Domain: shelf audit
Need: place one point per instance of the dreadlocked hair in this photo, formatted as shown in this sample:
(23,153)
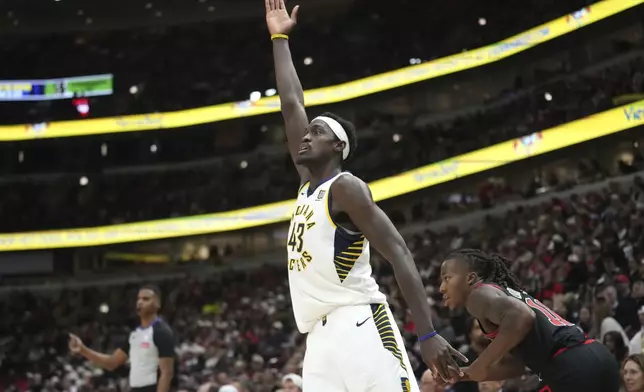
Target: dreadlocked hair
(491,268)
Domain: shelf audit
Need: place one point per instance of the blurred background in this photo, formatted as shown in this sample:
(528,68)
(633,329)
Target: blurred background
(527,141)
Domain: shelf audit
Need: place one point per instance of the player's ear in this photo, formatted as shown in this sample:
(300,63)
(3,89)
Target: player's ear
(338,146)
(472,278)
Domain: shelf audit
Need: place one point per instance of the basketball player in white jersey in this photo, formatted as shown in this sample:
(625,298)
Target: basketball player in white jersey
(353,344)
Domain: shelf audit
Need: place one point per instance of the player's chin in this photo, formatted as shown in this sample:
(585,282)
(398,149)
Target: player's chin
(302,158)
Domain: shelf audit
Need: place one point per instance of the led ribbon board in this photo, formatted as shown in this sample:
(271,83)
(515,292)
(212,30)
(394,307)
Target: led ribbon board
(327,95)
(592,127)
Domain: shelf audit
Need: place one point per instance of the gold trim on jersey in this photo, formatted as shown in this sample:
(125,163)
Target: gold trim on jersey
(302,187)
(345,260)
(386,332)
(406,385)
(327,204)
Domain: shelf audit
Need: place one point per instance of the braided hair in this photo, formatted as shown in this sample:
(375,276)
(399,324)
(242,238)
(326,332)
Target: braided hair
(491,268)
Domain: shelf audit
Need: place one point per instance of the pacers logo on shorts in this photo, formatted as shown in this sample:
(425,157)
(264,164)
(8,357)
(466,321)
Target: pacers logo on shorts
(406,386)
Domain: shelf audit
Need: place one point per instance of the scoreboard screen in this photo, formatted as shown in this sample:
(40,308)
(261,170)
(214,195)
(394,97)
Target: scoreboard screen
(64,88)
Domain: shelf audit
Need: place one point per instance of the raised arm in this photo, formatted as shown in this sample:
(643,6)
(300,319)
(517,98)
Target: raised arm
(289,87)
(352,196)
(514,318)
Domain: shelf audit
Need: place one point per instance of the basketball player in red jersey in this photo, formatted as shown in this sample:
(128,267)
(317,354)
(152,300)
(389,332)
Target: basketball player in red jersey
(523,331)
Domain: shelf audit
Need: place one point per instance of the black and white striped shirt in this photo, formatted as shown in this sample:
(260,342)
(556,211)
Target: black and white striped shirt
(145,347)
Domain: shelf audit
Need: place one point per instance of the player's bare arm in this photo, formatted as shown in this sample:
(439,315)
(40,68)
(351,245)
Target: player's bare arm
(105,361)
(166,370)
(507,368)
(353,197)
(514,319)
(288,83)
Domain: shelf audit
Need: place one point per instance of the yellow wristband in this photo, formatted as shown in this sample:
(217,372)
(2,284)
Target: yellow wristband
(277,36)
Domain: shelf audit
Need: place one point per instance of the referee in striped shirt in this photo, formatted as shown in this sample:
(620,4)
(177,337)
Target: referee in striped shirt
(150,348)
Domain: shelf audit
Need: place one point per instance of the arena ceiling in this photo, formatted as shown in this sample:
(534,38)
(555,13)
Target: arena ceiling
(44,16)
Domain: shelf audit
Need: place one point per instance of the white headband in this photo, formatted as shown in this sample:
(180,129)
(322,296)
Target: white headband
(339,131)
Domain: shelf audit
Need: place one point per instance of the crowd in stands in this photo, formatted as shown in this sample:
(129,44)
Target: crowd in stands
(140,196)
(582,255)
(195,65)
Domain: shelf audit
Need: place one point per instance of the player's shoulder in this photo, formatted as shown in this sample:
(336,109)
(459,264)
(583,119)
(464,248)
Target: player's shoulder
(484,291)
(483,294)
(350,185)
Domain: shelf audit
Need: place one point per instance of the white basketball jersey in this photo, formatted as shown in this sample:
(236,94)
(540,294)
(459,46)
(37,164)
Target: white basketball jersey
(328,265)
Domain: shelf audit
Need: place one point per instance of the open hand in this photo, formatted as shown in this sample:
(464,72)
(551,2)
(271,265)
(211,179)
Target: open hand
(278,19)
(439,357)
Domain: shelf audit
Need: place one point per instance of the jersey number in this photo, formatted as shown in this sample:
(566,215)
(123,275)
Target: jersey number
(553,317)
(295,240)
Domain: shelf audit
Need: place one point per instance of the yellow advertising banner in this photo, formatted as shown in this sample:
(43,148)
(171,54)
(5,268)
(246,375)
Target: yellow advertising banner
(592,127)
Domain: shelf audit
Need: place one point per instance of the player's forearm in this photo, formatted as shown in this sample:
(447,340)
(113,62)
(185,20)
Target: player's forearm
(102,360)
(513,328)
(413,290)
(164,382)
(288,83)
(505,369)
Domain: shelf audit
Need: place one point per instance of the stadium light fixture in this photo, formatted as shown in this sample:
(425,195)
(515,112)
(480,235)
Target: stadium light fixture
(104,308)
(83,181)
(255,96)
(482,21)
(134,90)
(270,92)
(243,164)
(308,60)
(154,148)
(548,96)
(396,137)
(21,156)
(104,149)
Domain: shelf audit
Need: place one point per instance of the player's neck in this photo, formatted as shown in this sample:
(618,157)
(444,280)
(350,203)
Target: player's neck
(322,173)
(146,321)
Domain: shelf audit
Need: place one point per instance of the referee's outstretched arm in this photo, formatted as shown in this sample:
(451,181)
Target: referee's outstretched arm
(107,362)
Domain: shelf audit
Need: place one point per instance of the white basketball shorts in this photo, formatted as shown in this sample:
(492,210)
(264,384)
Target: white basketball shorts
(357,349)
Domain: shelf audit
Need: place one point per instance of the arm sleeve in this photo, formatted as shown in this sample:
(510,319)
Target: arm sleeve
(164,340)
